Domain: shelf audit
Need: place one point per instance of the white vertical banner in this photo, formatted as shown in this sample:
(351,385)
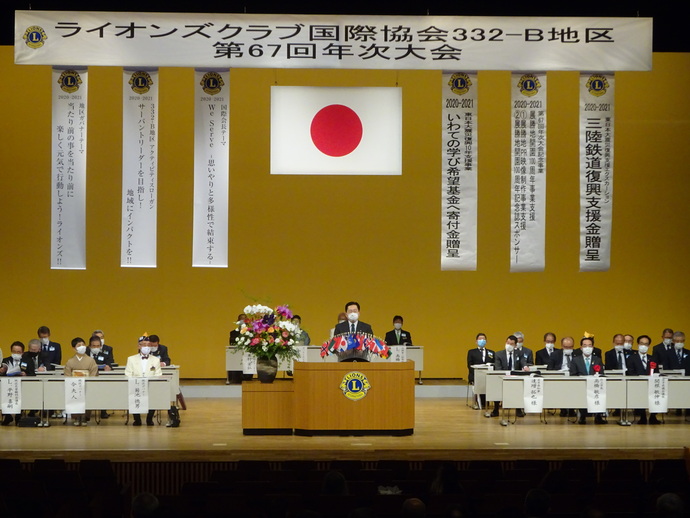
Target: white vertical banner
(528,168)
(139,168)
(596,170)
(596,394)
(10,395)
(658,394)
(75,395)
(138,402)
(68,169)
(248,363)
(459,171)
(533,394)
(211,167)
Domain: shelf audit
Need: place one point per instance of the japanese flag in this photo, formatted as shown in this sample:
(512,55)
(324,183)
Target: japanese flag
(323,130)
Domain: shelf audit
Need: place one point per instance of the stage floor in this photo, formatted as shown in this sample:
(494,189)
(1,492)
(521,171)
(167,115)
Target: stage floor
(445,428)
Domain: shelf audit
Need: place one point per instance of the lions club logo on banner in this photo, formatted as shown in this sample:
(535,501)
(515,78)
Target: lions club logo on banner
(597,85)
(354,385)
(140,82)
(529,85)
(69,81)
(35,37)
(460,83)
(212,83)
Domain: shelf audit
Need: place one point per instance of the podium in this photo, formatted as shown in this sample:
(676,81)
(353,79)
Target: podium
(353,398)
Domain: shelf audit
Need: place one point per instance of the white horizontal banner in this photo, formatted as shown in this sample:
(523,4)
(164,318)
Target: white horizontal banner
(331,41)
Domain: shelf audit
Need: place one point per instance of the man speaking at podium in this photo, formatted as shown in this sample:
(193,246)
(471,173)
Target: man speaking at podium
(352,324)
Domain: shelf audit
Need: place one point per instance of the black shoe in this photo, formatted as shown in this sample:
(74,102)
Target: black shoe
(7,420)
(494,413)
(104,414)
(149,422)
(582,420)
(563,413)
(599,420)
(616,413)
(519,412)
(654,420)
(137,421)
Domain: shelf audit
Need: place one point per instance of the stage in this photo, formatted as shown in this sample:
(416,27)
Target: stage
(446,428)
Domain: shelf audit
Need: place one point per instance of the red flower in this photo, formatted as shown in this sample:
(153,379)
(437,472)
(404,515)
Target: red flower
(652,365)
(596,368)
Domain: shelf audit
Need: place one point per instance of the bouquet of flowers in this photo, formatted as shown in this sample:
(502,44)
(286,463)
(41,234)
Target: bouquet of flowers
(363,343)
(267,333)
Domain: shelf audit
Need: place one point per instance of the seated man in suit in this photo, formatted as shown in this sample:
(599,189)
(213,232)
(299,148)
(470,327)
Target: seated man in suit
(144,364)
(302,337)
(643,364)
(11,367)
(560,360)
(542,356)
(52,350)
(106,350)
(104,361)
(353,324)
(663,349)
(398,336)
(159,350)
(587,364)
(33,361)
(508,360)
(616,357)
(525,352)
(480,355)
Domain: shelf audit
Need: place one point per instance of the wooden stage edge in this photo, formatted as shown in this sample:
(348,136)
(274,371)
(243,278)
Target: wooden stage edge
(445,429)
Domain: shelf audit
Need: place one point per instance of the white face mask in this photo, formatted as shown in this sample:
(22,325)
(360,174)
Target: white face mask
(510,348)
(95,351)
(549,346)
(146,350)
(518,346)
(627,346)
(296,324)
(679,345)
(618,348)
(587,351)
(45,341)
(568,352)
(16,357)
(397,325)
(81,349)
(353,317)
(668,341)
(154,348)
(643,348)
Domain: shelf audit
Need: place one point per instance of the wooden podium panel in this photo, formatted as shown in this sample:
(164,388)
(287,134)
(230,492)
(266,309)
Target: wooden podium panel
(321,407)
(267,408)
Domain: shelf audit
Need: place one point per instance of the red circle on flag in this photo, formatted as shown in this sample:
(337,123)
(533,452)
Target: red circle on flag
(336,130)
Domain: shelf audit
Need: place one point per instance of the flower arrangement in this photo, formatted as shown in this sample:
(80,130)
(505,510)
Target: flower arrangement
(596,368)
(267,333)
(365,343)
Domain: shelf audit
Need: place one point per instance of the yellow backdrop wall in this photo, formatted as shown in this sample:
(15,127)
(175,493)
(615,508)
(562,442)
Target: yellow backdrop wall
(316,242)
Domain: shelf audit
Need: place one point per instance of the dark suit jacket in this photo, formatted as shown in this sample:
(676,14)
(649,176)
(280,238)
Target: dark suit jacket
(578,367)
(660,355)
(635,367)
(474,357)
(542,356)
(102,359)
(405,338)
(52,354)
(501,361)
(611,358)
(27,363)
(162,353)
(344,328)
(556,360)
(672,361)
(527,355)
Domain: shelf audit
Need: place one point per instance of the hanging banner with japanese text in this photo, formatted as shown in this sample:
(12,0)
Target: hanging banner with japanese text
(211,167)
(248,363)
(138,39)
(75,395)
(658,394)
(139,168)
(459,171)
(10,395)
(138,396)
(596,394)
(68,185)
(533,394)
(528,172)
(596,171)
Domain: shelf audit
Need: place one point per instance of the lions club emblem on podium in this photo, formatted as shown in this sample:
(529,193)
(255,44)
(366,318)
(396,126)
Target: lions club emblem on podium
(354,386)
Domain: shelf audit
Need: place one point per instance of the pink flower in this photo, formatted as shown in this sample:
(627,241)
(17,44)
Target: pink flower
(255,341)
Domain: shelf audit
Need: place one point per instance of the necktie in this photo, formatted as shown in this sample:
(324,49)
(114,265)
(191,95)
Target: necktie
(397,335)
(680,357)
(568,359)
(144,357)
(644,362)
(352,328)
(620,359)
(587,364)
(483,355)
(510,362)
